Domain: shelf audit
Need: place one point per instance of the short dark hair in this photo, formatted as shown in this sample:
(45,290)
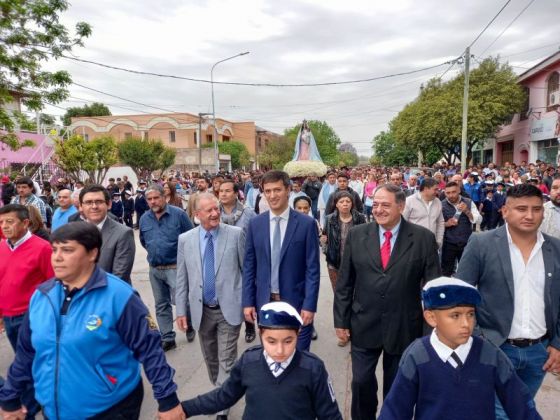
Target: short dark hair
(428,183)
(22,213)
(451,184)
(25,180)
(524,190)
(304,198)
(275,176)
(400,196)
(94,188)
(338,195)
(231,181)
(342,175)
(86,234)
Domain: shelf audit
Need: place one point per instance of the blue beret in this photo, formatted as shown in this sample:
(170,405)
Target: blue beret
(279,315)
(446,292)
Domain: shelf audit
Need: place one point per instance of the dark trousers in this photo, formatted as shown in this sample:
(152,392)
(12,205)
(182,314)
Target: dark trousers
(450,256)
(126,409)
(364,382)
(12,325)
(128,219)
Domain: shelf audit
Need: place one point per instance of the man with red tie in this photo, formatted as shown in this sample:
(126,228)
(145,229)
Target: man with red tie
(377,299)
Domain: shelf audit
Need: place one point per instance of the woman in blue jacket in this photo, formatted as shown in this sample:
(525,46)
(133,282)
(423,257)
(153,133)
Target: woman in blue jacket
(83,340)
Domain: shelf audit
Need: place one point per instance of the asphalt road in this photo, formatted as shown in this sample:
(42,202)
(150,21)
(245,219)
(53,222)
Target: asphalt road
(192,378)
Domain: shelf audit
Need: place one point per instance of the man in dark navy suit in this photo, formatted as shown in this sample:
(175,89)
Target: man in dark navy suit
(281,257)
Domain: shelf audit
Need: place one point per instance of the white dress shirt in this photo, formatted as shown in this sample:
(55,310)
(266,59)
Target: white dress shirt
(19,242)
(100,224)
(528,281)
(444,352)
(284,216)
(272,364)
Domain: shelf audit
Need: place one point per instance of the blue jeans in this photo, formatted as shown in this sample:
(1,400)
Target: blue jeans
(12,325)
(163,283)
(528,363)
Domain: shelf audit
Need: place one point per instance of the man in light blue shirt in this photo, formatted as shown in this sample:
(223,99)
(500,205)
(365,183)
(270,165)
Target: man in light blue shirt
(65,209)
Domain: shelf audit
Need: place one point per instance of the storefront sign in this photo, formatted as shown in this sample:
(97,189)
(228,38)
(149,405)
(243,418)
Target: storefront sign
(544,129)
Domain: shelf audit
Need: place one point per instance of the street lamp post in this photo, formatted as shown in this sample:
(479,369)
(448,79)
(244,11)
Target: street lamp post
(216,156)
(200,115)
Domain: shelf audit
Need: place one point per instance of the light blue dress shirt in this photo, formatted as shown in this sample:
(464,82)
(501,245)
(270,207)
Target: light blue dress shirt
(394,231)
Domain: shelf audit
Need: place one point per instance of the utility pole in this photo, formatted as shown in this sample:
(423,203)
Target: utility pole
(465,110)
(200,115)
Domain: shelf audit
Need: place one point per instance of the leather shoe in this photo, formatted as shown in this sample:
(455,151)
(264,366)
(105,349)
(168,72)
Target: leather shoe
(221,417)
(250,336)
(190,334)
(314,334)
(168,345)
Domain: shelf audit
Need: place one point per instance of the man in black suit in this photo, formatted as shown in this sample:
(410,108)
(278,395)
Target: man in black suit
(377,300)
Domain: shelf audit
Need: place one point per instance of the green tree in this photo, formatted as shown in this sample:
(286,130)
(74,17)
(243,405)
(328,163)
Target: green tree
(240,156)
(387,152)
(326,138)
(79,157)
(347,159)
(30,33)
(30,124)
(434,119)
(96,109)
(277,153)
(145,156)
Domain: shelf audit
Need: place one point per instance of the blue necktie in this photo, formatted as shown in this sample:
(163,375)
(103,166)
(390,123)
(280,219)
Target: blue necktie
(209,286)
(275,258)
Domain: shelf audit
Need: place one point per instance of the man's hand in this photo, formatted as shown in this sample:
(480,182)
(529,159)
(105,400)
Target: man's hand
(14,415)
(250,314)
(343,334)
(451,222)
(176,413)
(307,317)
(462,207)
(552,365)
(182,323)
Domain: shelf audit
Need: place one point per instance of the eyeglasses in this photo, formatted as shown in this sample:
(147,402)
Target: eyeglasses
(91,203)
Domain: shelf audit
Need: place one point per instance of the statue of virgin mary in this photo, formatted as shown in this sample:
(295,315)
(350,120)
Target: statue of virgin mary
(306,148)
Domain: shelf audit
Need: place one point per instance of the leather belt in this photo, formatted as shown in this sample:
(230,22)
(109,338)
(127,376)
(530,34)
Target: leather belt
(213,307)
(274,297)
(526,342)
(166,267)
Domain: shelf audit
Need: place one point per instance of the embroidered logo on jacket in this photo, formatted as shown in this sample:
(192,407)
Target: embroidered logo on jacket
(93,322)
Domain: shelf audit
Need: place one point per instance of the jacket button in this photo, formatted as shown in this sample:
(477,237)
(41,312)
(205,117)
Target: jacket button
(200,300)
(382,296)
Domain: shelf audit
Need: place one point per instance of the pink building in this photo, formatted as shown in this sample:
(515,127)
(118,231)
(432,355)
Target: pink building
(533,134)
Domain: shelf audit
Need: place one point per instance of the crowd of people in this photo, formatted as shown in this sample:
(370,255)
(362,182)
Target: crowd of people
(410,253)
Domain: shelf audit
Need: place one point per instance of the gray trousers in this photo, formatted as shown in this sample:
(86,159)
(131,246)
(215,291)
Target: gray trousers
(218,342)
(163,284)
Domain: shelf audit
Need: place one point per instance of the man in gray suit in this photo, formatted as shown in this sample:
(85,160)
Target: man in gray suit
(517,271)
(118,248)
(209,267)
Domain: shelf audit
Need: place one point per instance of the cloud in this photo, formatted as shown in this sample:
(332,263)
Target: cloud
(293,41)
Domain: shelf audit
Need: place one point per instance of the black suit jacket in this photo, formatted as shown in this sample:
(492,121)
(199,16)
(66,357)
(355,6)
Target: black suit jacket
(382,308)
(77,218)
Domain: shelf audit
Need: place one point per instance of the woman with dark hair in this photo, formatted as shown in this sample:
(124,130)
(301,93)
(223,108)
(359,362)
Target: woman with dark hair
(96,353)
(171,196)
(36,225)
(337,226)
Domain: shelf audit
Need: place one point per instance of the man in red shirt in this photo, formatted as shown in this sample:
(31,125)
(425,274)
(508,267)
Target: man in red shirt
(25,262)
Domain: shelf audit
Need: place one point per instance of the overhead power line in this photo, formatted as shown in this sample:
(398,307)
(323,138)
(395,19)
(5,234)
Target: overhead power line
(490,23)
(192,79)
(507,27)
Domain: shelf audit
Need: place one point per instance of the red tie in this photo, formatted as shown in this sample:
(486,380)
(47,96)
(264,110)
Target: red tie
(386,249)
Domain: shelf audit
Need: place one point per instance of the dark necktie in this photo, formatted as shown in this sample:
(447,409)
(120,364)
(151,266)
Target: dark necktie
(209,288)
(457,359)
(386,249)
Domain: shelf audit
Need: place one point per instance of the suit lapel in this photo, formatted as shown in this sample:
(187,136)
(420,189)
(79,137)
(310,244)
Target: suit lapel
(548,258)
(402,244)
(196,251)
(290,230)
(375,253)
(263,231)
(505,258)
(222,238)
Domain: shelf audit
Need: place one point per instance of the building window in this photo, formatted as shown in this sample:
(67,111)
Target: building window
(265,142)
(547,150)
(195,138)
(172,137)
(144,135)
(523,115)
(225,139)
(208,138)
(553,93)
(507,151)
(259,143)
(127,135)
(86,137)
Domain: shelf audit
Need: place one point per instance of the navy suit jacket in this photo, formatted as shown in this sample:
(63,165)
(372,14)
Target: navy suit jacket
(299,263)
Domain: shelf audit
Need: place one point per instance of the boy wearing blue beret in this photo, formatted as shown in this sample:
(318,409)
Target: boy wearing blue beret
(450,374)
(279,382)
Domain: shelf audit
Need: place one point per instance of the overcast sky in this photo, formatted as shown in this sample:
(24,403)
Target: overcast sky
(293,42)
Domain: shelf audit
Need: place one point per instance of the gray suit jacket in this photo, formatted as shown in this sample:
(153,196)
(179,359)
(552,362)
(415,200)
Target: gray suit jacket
(228,262)
(486,264)
(118,249)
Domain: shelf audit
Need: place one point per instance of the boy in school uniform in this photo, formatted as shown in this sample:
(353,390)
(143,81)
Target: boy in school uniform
(279,382)
(450,374)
